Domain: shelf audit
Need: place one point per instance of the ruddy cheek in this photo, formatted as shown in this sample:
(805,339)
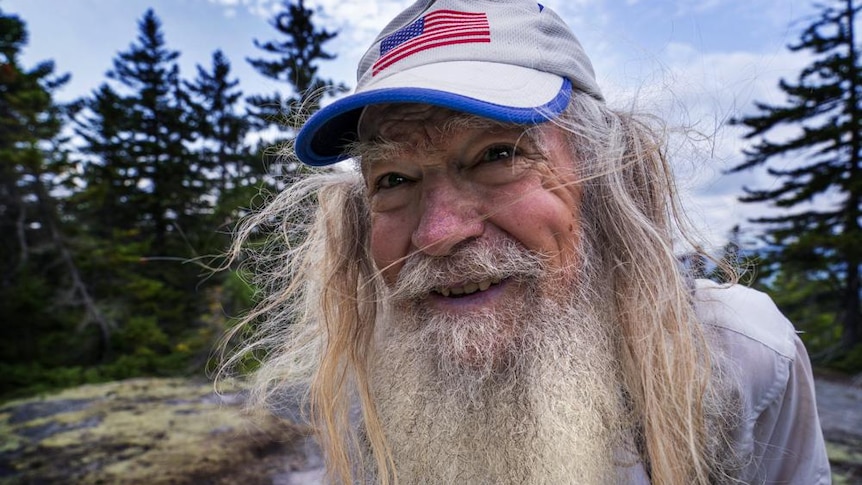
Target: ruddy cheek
(387,252)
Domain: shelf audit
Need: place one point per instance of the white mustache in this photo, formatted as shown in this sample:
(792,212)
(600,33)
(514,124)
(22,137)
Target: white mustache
(472,263)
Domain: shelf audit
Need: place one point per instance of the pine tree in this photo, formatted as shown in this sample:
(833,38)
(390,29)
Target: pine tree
(109,173)
(223,149)
(144,206)
(296,63)
(824,103)
(41,272)
(170,183)
(28,117)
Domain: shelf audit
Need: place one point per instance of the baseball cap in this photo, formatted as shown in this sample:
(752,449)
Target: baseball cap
(514,61)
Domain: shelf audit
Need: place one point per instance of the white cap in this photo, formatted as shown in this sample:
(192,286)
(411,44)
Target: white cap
(513,61)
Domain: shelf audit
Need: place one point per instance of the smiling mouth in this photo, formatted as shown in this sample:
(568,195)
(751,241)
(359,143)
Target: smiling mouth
(467,289)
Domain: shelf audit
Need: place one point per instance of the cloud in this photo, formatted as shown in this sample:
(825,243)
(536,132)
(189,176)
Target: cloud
(357,22)
(688,7)
(697,93)
(262,8)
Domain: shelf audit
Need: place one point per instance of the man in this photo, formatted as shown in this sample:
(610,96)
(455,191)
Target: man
(493,296)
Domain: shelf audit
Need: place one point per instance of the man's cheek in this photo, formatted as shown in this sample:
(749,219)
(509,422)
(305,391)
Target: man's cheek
(386,259)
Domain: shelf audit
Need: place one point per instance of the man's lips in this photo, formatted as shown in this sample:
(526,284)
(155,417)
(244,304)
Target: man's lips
(466,288)
(471,296)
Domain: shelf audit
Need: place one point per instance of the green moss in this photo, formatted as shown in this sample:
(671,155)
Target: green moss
(846,460)
(140,431)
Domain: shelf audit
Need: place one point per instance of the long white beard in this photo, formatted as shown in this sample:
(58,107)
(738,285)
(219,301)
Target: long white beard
(551,412)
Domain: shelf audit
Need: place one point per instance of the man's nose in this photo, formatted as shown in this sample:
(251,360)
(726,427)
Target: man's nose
(449,216)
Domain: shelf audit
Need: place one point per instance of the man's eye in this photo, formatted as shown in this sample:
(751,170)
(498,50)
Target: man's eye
(496,153)
(391,180)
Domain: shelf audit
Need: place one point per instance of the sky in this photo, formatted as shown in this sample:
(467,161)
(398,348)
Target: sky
(694,63)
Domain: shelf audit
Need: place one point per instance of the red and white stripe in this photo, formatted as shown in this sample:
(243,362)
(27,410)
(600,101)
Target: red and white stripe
(441,28)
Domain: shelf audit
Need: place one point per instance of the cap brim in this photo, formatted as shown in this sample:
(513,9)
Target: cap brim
(502,92)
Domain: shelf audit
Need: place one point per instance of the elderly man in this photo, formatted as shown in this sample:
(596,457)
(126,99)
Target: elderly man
(492,297)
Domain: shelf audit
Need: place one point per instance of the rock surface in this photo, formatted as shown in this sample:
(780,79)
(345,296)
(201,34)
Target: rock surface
(175,431)
(149,431)
(839,403)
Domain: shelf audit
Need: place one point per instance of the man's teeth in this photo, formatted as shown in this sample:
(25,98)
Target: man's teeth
(469,288)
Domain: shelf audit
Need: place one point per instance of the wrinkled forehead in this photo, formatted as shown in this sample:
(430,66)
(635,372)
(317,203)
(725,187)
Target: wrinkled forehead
(387,129)
(404,121)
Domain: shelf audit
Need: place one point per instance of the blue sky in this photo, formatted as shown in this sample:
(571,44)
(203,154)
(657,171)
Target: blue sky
(694,63)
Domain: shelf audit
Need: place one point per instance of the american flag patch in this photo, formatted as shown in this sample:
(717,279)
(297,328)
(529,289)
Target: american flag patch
(437,29)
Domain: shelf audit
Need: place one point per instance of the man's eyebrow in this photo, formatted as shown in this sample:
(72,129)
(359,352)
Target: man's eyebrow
(464,121)
(377,150)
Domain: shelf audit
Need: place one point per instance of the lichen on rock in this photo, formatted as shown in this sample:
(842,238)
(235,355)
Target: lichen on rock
(147,431)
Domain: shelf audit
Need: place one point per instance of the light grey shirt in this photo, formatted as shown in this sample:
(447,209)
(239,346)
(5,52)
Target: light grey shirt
(780,430)
(779,437)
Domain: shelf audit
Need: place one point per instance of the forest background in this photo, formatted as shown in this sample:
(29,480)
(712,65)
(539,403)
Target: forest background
(115,207)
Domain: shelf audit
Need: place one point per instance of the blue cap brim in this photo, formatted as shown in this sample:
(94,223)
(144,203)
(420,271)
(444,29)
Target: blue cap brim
(325,136)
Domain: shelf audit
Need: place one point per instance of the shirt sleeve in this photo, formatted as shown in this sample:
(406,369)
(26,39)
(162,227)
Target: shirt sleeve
(787,432)
(779,438)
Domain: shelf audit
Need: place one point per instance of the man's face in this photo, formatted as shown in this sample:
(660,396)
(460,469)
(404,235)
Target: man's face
(447,186)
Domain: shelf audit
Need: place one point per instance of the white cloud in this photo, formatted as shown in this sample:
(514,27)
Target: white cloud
(698,93)
(356,21)
(261,8)
(688,7)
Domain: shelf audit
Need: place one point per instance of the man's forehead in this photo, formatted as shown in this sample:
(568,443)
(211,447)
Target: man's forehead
(404,121)
(392,131)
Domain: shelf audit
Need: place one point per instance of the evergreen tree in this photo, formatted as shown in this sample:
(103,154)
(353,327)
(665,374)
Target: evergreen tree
(144,208)
(109,175)
(222,130)
(825,104)
(223,150)
(105,202)
(40,273)
(28,118)
(168,176)
(295,63)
